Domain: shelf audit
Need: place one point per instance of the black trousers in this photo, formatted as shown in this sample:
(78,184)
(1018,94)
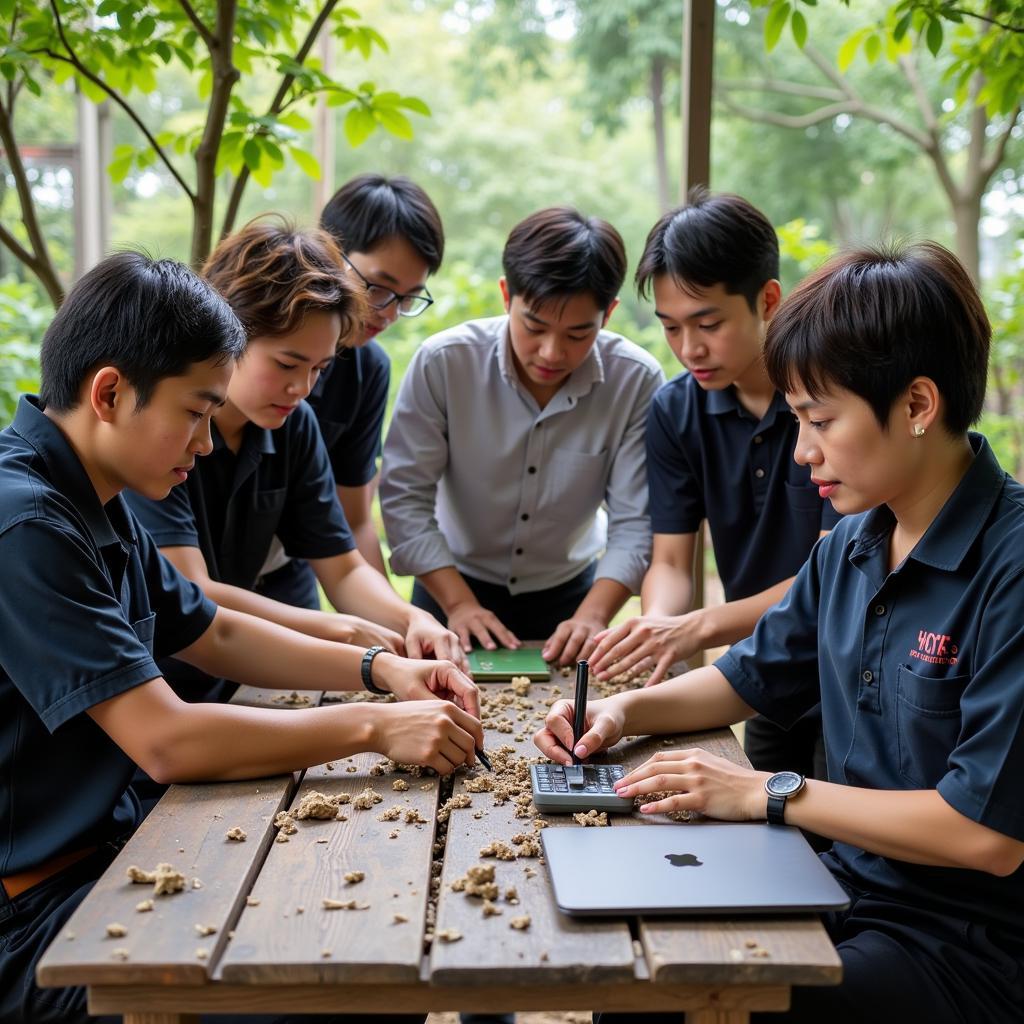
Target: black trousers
(31,921)
(531,616)
(902,965)
(294,583)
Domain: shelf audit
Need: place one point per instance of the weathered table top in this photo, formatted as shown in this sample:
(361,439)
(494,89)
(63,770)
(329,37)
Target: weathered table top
(251,932)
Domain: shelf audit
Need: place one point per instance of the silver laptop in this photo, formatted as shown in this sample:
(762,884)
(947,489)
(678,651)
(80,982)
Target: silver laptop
(688,869)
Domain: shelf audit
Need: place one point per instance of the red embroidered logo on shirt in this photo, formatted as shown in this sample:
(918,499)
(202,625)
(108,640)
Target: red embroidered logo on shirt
(935,648)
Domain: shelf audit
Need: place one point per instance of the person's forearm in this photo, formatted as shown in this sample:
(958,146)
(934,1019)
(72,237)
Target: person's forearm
(246,649)
(368,545)
(302,620)
(222,742)
(733,621)
(666,590)
(365,592)
(915,826)
(701,699)
(604,599)
(447,587)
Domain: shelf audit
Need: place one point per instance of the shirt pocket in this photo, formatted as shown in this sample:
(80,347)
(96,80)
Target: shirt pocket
(928,723)
(144,630)
(574,485)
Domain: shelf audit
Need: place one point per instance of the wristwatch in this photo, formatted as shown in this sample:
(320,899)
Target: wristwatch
(780,787)
(366,669)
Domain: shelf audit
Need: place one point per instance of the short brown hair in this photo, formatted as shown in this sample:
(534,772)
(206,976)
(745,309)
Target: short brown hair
(272,275)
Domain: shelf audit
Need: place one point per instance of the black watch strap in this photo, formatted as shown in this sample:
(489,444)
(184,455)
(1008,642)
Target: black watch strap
(776,810)
(366,670)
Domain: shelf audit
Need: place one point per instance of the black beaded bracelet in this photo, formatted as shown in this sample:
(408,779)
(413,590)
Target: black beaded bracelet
(366,670)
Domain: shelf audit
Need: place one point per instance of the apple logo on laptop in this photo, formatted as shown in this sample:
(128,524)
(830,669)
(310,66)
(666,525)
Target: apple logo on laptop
(683,860)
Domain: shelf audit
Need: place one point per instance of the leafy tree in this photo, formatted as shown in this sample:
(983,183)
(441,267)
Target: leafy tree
(115,50)
(966,110)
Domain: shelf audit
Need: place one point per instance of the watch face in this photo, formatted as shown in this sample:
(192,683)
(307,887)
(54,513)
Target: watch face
(784,784)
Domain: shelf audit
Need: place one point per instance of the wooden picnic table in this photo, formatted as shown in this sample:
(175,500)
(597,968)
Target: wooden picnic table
(273,947)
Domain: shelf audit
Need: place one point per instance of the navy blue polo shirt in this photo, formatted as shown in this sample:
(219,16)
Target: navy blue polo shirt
(87,604)
(231,506)
(921,676)
(349,401)
(708,458)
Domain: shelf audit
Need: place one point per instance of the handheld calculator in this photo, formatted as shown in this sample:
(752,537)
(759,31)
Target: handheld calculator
(558,789)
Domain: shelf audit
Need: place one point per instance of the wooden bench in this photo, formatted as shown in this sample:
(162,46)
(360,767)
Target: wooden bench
(276,948)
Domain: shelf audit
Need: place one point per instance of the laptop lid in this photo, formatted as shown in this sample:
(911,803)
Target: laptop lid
(688,869)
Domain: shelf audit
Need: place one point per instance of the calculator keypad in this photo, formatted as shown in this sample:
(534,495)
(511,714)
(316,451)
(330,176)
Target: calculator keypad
(549,781)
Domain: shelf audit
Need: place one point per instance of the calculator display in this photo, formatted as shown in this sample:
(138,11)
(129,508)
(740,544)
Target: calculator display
(557,788)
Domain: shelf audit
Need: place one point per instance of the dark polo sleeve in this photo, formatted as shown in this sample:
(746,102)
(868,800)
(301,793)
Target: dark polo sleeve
(67,643)
(312,523)
(987,764)
(775,671)
(675,493)
(355,452)
(170,522)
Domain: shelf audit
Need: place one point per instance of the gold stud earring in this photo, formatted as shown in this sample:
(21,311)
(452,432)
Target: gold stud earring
(918,430)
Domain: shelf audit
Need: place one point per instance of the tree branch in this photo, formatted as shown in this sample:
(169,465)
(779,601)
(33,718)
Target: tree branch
(277,105)
(793,120)
(1004,25)
(924,104)
(38,260)
(819,60)
(197,22)
(781,87)
(76,63)
(995,159)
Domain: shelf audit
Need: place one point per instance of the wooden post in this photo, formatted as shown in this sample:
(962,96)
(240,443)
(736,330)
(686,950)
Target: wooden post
(697,65)
(323,134)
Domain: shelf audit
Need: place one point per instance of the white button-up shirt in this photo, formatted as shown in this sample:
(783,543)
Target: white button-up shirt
(477,476)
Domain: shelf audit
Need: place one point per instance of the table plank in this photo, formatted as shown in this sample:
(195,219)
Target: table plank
(276,943)
(256,697)
(555,949)
(188,832)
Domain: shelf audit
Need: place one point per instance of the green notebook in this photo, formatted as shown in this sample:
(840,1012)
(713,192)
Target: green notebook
(504,664)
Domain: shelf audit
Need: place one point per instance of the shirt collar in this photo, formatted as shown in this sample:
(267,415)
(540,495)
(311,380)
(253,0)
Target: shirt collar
(725,401)
(580,382)
(256,441)
(954,530)
(108,525)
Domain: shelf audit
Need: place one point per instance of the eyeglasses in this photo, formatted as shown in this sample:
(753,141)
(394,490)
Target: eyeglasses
(379,297)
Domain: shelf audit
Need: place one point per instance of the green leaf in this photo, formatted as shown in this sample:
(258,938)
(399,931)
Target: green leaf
(359,126)
(272,151)
(33,86)
(902,26)
(91,91)
(252,154)
(848,51)
(293,119)
(775,23)
(872,48)
(798,24)
(933,37)
(109,7)
(395,122)
(119,167)
(263,175)
(6,9)
(164,51)
(307,163)
(417,106)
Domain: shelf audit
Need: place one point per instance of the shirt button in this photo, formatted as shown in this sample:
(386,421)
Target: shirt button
(531,469)
(758,439)
(759,473)
(525,516)
(879,609)
(519,551)
(867,675)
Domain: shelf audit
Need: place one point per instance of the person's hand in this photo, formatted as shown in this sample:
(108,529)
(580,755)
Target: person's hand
(408,679)
(658,640)
(698,781)
(435,733)
(469,620)
(351,629)
(573,639)
(426,638)
(605,723)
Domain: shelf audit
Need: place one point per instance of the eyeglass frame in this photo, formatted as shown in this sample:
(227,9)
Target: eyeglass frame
(396,297)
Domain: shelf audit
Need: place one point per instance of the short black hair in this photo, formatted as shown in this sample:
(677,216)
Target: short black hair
(150,318)
(713,239)
(558,252)
(873,319)
(371,208)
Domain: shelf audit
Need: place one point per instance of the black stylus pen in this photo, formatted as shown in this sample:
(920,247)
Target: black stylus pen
(483,758)
(579,720)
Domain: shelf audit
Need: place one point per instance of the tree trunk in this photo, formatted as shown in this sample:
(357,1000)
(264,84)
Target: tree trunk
(967,219)
(657,90)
